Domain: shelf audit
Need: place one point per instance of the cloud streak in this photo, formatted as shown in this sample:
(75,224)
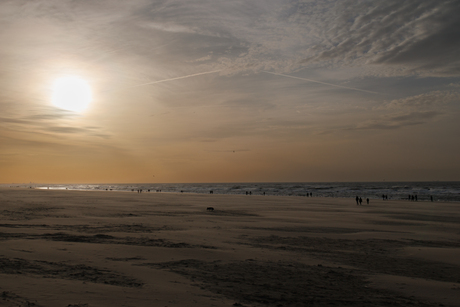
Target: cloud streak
(324,83)
(177,78)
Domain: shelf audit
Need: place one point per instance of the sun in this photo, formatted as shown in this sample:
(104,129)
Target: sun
(71,93)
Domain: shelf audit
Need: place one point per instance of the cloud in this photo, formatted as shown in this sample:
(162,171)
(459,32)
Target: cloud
(324,83)
(410,111)
(421,36)
(384,37)
(428,101)
(397,121)
(391,36)
(90,131)
(44,123)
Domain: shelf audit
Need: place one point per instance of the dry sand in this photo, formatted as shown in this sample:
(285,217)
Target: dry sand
(74,248)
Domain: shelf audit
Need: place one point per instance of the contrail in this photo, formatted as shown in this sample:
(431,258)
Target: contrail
(325,83)
(177,78)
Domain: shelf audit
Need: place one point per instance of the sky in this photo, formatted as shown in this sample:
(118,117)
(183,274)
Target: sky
(231,91)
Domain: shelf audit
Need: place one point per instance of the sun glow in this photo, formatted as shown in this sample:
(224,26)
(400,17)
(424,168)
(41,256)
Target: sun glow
(71,93)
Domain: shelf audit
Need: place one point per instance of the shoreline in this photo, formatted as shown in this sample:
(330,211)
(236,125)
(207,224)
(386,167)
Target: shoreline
(423,200)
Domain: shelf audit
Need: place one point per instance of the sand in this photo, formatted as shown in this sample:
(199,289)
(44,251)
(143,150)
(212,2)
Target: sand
(77,248)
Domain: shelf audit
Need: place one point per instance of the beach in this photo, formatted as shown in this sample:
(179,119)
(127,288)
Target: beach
(104,248)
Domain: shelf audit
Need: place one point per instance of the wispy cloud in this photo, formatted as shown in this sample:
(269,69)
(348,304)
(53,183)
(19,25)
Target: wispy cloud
(409,111)
(435,100)
(397,121)
(320,82)
(51,123)
(418,35)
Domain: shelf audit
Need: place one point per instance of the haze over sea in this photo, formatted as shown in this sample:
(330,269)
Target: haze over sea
(441,191)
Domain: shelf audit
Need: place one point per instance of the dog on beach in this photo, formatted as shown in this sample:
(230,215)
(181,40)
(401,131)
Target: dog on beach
(210,209)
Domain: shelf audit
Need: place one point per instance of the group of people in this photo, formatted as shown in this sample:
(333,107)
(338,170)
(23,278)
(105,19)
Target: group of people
(414,197)
(250,193)
(359,200)
(140,190)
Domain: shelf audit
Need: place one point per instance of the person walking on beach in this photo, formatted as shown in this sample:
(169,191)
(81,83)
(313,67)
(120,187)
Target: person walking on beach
(357,200)
(367,200)
(360,201)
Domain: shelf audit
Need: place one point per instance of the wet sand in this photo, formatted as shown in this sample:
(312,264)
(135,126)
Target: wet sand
(75,248)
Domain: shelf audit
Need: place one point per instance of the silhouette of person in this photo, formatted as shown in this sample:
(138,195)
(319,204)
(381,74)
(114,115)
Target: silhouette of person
(431,197)
(360,201)
(367,200)
(357,200)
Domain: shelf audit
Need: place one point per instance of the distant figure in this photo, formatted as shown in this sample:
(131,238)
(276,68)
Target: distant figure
(357,200)
(250,193)
(246,192)
(383,196)
(415,197)
(412,198)
(181,191)
(264,193)
(367,200)
(409,197)
(311,194)
(210,209)
(431,197)
(360,201)
(211,192)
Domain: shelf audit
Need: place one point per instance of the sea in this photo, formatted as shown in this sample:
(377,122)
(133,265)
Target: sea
(438,190)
